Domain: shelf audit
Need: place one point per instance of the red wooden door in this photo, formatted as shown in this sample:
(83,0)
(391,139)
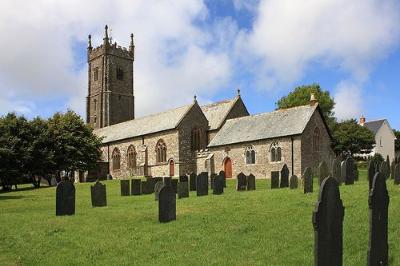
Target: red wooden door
(171,168)
(228,168)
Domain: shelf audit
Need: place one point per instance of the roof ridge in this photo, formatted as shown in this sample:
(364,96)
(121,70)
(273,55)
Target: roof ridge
(219,102)
(376,120)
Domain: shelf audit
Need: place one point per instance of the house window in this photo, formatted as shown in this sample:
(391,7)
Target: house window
(197,139)
(161,152)
(120,74)
(316,139)
(276,152)
(116,159)
(96,74)
(131,157)
(250,155)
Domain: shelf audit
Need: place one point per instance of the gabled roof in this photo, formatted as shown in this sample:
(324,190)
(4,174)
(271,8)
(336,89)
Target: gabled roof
(280,123)
(217,112)
(167,120)
(375,125)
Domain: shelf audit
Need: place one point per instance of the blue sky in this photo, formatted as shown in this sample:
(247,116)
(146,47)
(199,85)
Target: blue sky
(208,48)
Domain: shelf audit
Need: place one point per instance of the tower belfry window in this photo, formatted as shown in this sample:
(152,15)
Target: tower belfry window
(96,74)
(120,74)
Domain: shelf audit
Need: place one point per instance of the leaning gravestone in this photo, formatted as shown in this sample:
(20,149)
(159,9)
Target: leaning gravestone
(274,179)
(174,183)
(98,195)
(202,184)
(251,182)
(241,182)
(349,172)
(397,174)
(167,204)
(284,176)
(65,198)
(371,172)
(183,178)
(323,171)
(336,170)
(125,188)
(218,188)
(157,188)
(294,182)
(183,190)
(392,170)
(308,180)
(136,187)
(222,173)
(384,169)
(192,181)
(328,225)
(378,222)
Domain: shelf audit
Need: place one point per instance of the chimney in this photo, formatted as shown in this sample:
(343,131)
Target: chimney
(362,120)
(313,100)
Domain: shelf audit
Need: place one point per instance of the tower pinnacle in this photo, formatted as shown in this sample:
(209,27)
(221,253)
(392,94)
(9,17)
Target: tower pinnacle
(105,39)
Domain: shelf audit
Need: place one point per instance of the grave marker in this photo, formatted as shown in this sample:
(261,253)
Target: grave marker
(202,184)
(157,188)
(241,182)
(183,178)
(65,198)
(294,182)
(125,188)
(222,173)
(98,195)
(136,187)
(349,172)
(356,174)
(274,179)
(392,169)
(284,176)
(192,181)
(183,190)
(218,185)
(397,174)
(167,203)
(371,172)
(336,171)
(384,169)
(308,180)
(251,182)
(174,183)
(323,171)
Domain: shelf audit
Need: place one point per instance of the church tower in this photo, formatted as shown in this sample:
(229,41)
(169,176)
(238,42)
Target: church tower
(110,97)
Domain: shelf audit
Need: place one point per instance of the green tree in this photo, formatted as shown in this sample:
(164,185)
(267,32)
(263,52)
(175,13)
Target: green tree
(351,138)
(397,142)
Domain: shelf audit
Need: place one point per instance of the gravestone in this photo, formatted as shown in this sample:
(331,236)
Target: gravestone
(308,180)
(136,187)
(336,170)
(378,222)
(371,172)
(384,169)
(284,176)
(356,174)
(125,188)
(274,179)
(98,195)
(328,225)
(392,169)
(218,188)
(109,177)
(157,188)
(183,178)
(156,179)
(192,181)
(349,172)
(251,182)
(397,174)
(183,190)
(343,171)
(212,179)
(222,173)
(167,203)
(146,187)
(65,198)
(241,182)
(151,182)
(294,182)
(174,183)
(323,171)
(202,184)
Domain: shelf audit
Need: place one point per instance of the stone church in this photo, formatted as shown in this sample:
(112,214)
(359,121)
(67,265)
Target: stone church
(194,137)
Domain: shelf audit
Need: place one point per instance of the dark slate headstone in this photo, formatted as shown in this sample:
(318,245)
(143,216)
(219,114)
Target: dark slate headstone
(183,178)
(125,190)
(156,179)
(397,174)
(167,204)
(384,168)
(183,190)
(378,222)
(336,170)
(308,180)
(157,188)
(371,172)
(328,225)
(174,183)
(192,181)
(274,179)
(98,195)
(151,182)
(241,182)
(323,171)
(356,174)
(392,169)
(212,179)
(350,175)
(294,182)
(202,184)
(146,187)
(218,188)
(251,182)
(222,173)
(136,187)
(65,198)
(284,176)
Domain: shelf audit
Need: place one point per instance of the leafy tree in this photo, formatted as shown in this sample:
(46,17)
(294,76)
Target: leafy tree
(397,142)
(351,138)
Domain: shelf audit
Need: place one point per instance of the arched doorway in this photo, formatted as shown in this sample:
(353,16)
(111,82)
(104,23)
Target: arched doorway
(171,168)
(228,168)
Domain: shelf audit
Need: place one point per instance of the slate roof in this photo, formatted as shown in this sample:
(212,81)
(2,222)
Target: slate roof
(169,119)
(375,125)
(280,123)
(217,112)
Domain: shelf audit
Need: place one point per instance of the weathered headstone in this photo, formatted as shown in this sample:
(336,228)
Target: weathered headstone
(251,182)
(192,181)
(323,171)
(343,169)
(222,173)
(157,188)
(183,190)
(98,195)
(308,180)
(183,178)
(378,222)
(371,172)
(294,182)
(218,188)
(65,198)
(202,184)
(274,179)
(384,168)
(336,170)
(136,187)
(397,174)
(151,182)
(174,183)
(241,183)
(147,187)
(167,204)
(350,175)
(125,190)
(392,169)
(212,179)
(328,225)
(284,176)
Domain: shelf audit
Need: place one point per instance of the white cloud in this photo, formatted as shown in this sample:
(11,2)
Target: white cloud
(349,101)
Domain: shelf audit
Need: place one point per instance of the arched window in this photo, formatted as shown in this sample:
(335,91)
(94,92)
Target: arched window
(250,155)
(276,152)
(161,151)
(120,74)
(96,74)
(131,157)
(116,159)
(197,139)
(316,139)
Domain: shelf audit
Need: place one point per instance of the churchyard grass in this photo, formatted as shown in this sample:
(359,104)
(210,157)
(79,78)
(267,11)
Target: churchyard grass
(261,227)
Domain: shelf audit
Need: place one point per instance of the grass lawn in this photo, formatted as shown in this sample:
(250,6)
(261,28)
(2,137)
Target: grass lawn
(262,227)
